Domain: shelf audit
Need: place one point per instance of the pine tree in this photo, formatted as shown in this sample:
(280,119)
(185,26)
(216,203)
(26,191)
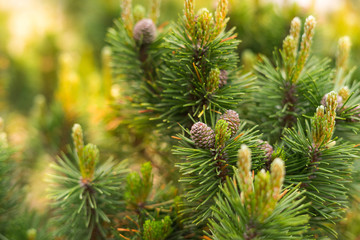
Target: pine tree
(187,76)
(270,154)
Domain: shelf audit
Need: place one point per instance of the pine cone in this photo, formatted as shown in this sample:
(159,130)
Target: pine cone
(223,78)
(202,135)
(267,148)
(145,31)
(339,101)
(232,118)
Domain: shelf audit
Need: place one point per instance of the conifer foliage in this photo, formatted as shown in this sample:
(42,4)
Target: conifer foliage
(294,86)
(286,178)
(322,165)
(256,208)
(201,66)
(7,168)
(205,168)
(318,154)
(136,42)
(262,155)
(190,70)
(85,191)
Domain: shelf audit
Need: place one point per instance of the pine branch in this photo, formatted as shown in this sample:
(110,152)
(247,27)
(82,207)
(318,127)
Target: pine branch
(206,166)
(324,168)
(136,58)
(84,192)
(189,83)
(150,215)
(8,194)
(256,210)
(348,110)
(290,88)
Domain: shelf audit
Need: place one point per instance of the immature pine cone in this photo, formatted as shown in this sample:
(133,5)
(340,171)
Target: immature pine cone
(265,146)
(231,117)
(339,101)
(223,78)
(202,135)
(145,31)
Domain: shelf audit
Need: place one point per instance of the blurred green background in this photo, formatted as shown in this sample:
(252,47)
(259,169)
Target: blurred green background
(55,71)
